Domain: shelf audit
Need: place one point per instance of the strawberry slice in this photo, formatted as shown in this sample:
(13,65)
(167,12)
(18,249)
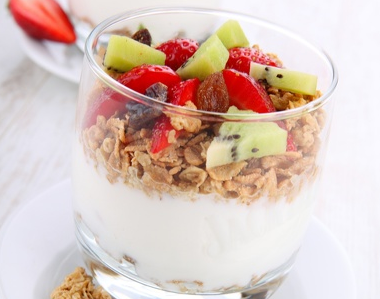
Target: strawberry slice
(107,104)
(183,92)
(43,19)
(141,77)
(177,51)
(178,94)
(290,145)
(160,134)
(246,93)
(240,58)
(138,79)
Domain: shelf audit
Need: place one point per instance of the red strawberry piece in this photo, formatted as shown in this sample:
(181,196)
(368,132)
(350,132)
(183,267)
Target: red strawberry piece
(160,134)
(107,104)
(178,94)
(240,59)
(183,92)
(43,19)
(141,77)
(290,145)
(246,93)
(177,51)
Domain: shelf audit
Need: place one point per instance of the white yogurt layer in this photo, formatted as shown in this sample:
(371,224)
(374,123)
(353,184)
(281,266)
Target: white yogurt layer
(220,244)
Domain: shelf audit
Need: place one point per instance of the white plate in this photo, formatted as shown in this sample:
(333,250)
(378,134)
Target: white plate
(37,249)
(63,60)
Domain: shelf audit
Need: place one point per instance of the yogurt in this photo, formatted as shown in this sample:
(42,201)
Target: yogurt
(218,243)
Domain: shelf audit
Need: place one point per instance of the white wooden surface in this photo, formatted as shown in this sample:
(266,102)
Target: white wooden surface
(37,115)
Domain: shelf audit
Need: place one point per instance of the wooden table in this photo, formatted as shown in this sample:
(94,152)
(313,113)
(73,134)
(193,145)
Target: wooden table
(37,111)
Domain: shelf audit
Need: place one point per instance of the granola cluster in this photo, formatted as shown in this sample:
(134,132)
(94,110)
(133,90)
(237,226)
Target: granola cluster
(78,285)
(125,152)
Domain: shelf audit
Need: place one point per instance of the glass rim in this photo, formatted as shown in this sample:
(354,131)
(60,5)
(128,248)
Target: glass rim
(93,38)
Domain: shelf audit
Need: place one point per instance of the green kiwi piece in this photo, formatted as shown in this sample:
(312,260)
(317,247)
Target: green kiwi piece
(210,57)
(289,80)
(239,141)
(232,35)
(124,53)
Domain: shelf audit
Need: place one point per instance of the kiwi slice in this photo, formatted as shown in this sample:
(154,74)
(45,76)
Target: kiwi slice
(210,57)
(239,141)
(232,35)
(124,53)
(285,79)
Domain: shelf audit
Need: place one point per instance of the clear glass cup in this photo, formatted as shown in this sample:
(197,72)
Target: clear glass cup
(86,14)
(164,225)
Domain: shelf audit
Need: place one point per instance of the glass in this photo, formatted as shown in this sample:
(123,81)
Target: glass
(164,225)
(86,14)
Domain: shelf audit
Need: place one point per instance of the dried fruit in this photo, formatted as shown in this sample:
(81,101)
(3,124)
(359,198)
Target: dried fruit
(43,19)
(212,94)
(139,115)
(177,51)
(143,36)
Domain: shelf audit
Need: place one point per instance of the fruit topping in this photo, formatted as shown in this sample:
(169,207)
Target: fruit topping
(183,92)
(239,140)
(108,103)
(177,51)
(143,36)
(240,58)
(290,145)
(246,93)
(141,77)
(211,57)
(284,79)
(232,35)
(163,134)
(124,53)
(139,115)
(43,20)
(213,94)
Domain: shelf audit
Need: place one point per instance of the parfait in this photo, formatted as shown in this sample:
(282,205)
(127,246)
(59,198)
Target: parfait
(195,157)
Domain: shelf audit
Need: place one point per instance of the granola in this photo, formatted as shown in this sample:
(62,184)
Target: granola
(79,285)
(125,152)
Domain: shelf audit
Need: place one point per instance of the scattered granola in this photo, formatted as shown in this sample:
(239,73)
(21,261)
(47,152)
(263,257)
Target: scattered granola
(79,285)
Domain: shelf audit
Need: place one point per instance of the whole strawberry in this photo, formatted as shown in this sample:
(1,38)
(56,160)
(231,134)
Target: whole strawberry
(43,19)
(177,51)
(240,59)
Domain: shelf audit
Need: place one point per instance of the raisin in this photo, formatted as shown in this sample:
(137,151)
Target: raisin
(212,94)
(140,115)
(143,36)
(158,91)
